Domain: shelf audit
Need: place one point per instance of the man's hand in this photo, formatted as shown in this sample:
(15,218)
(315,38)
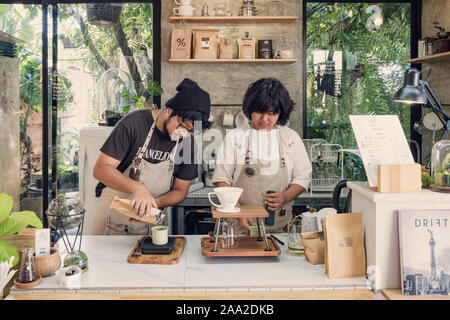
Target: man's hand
(142,200)
(245,223)
(274,201)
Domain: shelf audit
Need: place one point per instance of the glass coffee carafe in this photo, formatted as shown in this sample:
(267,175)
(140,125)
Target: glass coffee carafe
(27,269)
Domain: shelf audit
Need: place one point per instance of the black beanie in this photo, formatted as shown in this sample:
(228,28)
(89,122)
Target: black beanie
(191,97)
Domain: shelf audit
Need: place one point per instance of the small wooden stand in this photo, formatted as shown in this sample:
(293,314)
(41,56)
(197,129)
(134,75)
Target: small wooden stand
(257,212)
(398,178)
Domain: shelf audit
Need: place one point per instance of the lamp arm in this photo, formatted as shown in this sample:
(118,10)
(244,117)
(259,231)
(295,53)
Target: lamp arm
(435,104)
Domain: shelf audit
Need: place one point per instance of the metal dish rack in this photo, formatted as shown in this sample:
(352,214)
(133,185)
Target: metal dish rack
(327,161)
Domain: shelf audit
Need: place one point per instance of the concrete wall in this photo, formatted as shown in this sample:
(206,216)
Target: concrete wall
(439,79)
(9,124)
(227,83)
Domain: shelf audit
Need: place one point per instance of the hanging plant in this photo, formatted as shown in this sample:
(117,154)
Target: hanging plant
(104,14)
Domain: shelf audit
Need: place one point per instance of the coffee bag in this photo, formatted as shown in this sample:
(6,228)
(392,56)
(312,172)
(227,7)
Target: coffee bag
(226,48)
(181,44)
(205,44)
(344,246)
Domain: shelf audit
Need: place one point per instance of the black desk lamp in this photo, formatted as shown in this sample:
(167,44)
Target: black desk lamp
(413,91)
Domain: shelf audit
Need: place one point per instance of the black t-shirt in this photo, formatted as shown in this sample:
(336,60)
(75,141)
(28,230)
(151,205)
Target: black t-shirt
(129,136)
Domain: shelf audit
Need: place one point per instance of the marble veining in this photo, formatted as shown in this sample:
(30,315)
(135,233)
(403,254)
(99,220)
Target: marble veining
(109,270)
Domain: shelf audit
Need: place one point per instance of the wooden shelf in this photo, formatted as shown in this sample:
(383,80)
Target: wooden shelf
(228,61)
(238,19)
(438,57)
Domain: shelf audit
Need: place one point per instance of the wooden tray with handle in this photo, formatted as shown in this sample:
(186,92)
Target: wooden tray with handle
(244,247)
(172,258)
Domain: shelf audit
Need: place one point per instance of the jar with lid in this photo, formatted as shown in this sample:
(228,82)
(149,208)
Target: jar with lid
(440,167)
(27,269)
(248,9)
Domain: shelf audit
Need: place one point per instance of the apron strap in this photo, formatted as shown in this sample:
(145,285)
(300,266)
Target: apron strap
(140,155)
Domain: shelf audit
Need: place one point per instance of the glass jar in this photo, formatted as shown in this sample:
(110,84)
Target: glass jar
(274,8)
(440,167)
(27,269)
(114,97)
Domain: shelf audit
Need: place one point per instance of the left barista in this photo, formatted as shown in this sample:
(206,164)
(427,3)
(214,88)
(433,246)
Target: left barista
(267,156)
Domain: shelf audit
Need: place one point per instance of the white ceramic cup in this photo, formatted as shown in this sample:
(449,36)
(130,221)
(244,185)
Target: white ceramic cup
(160,235)
(228,197)
(228,119)
(183,2)
(287,54)
(184,11)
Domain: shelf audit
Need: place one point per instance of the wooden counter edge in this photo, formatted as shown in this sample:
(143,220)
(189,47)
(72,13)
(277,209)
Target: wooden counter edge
(397,295)
(356,294)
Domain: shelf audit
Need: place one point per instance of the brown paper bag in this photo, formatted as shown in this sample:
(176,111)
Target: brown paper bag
(247,48)
(226,48)
(344,246)
(205,44)
(181,44)
(123,206)
(313,242)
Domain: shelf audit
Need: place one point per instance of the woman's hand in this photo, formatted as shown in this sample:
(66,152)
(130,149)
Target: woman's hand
(274,201)
(142,200)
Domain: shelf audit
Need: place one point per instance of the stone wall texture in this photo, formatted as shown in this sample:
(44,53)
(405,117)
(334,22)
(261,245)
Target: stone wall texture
(9,124)
(439,79)
(227,83)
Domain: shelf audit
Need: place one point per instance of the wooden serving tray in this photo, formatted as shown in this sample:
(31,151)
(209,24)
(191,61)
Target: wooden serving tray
(245,247)
(172,258)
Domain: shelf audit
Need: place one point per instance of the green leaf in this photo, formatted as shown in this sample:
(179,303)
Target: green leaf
(17,221)
(134,98)
(8,250)
(126,109)
(6,205)
(125,94)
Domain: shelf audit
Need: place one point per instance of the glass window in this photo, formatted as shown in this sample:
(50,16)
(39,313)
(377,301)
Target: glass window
(101,57)
(353,65)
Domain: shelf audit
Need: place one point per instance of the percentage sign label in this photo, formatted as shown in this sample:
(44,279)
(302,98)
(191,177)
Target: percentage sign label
(181,42)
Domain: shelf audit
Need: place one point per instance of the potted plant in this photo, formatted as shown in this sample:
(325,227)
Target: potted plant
(104,14)
(11,223)
(140,102)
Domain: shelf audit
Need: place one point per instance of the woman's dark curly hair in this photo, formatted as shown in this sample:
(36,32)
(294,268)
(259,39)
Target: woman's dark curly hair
(268,95)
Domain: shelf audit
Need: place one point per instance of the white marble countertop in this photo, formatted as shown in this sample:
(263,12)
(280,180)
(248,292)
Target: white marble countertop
(110,272)
(424,195)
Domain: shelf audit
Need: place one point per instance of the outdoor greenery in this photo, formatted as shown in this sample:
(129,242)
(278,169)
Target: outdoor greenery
(371,65)
(95,49)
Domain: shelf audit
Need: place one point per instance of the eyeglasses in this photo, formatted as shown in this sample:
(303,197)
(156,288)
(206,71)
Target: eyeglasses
(181,125)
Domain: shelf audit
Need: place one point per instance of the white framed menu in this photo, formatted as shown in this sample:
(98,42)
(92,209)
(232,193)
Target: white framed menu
(380,140)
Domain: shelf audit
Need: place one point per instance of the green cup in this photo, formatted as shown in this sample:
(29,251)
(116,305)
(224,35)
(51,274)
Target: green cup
(254,231)
(160,235)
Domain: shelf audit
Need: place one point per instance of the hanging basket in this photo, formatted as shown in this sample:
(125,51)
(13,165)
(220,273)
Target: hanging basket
(103,14)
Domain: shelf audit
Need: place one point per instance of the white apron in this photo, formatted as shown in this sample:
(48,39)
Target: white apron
(156,177)
(256,185)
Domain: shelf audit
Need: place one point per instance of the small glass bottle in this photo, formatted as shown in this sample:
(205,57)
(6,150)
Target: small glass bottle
(27,270)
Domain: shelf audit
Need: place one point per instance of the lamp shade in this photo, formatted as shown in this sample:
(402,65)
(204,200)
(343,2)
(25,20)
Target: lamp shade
(411,91)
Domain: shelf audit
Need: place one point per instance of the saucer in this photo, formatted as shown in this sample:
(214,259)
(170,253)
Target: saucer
(234,210)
